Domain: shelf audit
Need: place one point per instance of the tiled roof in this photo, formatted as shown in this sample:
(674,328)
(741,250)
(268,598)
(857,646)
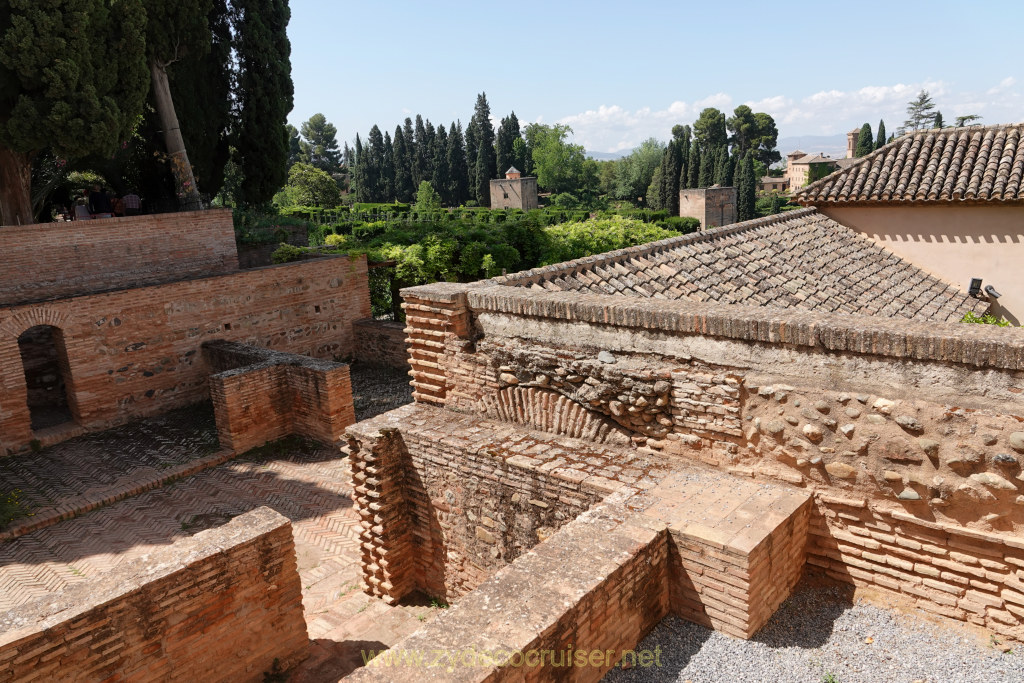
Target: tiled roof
(799,259)
(813,159)
(978,164)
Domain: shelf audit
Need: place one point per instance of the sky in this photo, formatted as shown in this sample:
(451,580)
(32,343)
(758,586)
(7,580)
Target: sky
(619,73)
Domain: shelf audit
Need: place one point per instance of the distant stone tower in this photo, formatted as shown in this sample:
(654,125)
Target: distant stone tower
(851,143)
(514,191)
(712,206)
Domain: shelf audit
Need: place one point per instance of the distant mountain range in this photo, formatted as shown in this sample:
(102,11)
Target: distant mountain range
(830,145)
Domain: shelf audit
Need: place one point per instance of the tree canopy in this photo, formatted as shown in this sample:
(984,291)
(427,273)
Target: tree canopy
(319,145)
(560,166)
(920,112)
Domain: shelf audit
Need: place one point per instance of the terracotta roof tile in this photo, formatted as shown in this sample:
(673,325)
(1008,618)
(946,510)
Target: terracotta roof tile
(975,164)
(799,259)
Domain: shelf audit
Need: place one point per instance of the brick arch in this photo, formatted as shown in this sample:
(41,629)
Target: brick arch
(549,411)
(22,321)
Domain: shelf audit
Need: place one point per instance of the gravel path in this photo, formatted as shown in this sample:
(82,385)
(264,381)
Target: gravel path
(817,637)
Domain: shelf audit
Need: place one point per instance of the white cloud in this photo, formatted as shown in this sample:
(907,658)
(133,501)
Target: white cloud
(614,128)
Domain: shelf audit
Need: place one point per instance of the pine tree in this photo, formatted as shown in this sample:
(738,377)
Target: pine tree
(442,179)
(880,140)
(865,141)
(920,112)
(264,96)
(938,120)
(693,180)
(707,168)
(486,161)
(321,144)
(457,167)
(403,171)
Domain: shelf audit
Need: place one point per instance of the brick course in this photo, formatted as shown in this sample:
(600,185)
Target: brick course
(381,342)
(54,260)
(220,605)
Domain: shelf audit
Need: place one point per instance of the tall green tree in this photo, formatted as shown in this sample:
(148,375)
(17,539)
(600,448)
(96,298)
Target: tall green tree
(201,85)
(746,199)
(635,172)
(320,144)
(264,96)
(966,120)
(880,140)
(865,141)
(744,129)
(310,186)
(764,142)
(359,171)
(442,180)
(709,131)
(73,78)
(707,167)
(508,133)
(723,167)
(938,120)
(403,170)
(920,112)
(472,149)
(457,167)
(387,170)
(372,187)
(558,163)
(421,165)
(177,29)
(294,145)
(693,167)
(486,160)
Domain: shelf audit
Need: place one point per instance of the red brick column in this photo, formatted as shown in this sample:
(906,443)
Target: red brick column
(437,316)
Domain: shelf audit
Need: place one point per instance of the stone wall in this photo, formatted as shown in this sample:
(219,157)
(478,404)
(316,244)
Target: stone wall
(514,193)
(609,571)
(381,342)
(53,260)
(445,505)
(920,420)
(135,353)
(261,395)
(713,206)
(220,605)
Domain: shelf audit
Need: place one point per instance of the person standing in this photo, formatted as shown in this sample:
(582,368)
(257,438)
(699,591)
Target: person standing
(99,203)
(132,204)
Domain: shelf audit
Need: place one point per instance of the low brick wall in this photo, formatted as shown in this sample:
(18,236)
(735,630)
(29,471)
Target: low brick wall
(444,505)
(381,342)
(919,420)
(267,395)
(135,353)
(53,260)
(220,605)
(609,571)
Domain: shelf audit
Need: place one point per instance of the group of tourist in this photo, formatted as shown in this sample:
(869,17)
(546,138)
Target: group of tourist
(99,203)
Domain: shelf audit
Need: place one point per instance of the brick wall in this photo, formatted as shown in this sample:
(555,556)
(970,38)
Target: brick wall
(134,353)
(68,259)
(220,605)
(444,505)
(381,342)
(914,419)
(266,395)
(615,593)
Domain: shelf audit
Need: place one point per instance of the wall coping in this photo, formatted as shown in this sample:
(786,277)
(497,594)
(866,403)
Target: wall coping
(977,345)
(79,226)
(47,611)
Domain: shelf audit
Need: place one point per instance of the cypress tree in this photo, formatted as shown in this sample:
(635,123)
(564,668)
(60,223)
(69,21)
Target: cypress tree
(865,141)
(420,163)
(508,133)
(359,171)
(707,169)
(730,170)
(429,146)
(457,167)
(693,179)
(880,140)
(264,96)
(486,161)
(442,179)
(747,190)
(403,172)
(722,163)
(938,120)
(374,154)
(472,146)
(674,170)
(387,169)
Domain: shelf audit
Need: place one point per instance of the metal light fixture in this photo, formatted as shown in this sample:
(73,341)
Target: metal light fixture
(975,288)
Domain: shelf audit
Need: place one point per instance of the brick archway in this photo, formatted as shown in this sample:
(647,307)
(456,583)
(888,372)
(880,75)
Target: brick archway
(47,376)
